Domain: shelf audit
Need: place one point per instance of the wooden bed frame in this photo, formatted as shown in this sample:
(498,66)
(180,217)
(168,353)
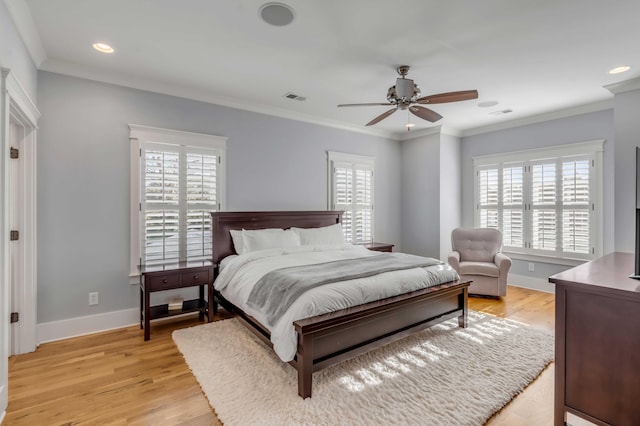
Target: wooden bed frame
(327,339)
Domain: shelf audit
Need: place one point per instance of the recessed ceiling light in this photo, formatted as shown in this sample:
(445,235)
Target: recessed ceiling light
(487,104)
(618,70)
(278,14)
(103,47)
(410,125)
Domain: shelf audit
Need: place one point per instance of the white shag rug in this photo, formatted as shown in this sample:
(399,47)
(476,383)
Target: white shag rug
(444,375)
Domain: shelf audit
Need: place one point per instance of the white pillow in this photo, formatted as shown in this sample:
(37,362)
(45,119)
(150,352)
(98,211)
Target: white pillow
(262,239)
(325,236)
(236,236)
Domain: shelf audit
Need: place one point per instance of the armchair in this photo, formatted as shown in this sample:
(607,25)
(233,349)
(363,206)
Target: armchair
(476,256)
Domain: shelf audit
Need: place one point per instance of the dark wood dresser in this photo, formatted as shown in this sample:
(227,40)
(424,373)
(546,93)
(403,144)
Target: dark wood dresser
(598,342)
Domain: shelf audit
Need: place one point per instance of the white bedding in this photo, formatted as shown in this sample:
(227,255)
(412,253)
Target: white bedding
(242,272)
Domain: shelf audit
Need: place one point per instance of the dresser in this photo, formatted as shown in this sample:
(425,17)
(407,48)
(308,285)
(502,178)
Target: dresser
(598,342)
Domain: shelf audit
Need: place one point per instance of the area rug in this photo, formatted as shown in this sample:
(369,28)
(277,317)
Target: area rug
(444,375)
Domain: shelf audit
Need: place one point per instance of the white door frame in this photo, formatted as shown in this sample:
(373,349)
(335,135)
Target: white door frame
(15,105)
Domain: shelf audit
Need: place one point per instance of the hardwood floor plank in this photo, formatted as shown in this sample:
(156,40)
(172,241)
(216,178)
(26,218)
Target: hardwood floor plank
(115,378)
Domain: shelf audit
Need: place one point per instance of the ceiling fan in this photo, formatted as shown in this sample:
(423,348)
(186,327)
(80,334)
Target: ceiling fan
(406,93)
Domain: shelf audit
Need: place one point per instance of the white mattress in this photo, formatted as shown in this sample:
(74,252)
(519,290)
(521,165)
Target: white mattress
(242,272)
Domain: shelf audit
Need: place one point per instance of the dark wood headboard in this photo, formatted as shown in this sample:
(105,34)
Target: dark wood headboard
(223,222)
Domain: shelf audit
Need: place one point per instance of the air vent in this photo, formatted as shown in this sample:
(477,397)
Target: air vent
(295,97)
(502,111)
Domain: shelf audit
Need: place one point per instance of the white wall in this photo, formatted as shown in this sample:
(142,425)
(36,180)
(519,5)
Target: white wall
(14,54)
(83,180)
(580,128)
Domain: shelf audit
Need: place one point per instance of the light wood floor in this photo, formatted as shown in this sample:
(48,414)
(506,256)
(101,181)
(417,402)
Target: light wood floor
(115,378)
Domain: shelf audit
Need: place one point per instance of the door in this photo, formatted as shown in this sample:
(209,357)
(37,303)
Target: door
(16,140)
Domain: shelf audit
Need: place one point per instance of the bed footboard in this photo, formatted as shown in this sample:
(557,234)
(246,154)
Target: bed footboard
(334,337)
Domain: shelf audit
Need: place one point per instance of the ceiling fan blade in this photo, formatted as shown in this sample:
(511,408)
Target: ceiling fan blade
(382,117)
(442,98)
(350,105)
(425,113)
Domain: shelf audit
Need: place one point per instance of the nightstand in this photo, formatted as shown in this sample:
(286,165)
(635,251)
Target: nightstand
(380,247)
(173,276)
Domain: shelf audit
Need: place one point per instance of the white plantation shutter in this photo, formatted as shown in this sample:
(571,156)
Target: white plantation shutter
(488,191)
(351,190)
(513,205)
(545,202)
(180,177)
(180,191)
(576,206)
(161,202)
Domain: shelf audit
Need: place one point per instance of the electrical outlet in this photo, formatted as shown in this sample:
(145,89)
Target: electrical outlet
(93,298)
(532,267)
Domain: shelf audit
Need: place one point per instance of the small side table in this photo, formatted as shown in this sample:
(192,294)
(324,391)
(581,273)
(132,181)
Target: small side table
(380,247)
(172,276)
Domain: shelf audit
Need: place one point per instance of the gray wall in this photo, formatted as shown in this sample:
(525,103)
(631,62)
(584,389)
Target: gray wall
(14,54)
(627,130)
(450,190)
(420,196)
(83,180)
(580,128)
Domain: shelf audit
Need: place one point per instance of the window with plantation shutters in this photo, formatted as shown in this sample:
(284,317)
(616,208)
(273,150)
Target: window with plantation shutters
(177,177)
(351,180)
(546,202)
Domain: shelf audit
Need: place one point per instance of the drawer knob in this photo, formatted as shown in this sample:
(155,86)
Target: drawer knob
(195,277)
(165,280)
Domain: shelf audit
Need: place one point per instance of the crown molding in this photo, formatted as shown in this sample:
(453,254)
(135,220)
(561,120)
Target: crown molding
(539,118)
(74,70)
(23,20)
(18,95)
(624,86)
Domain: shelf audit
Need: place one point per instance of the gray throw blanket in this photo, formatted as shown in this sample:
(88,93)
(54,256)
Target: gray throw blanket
(276,291)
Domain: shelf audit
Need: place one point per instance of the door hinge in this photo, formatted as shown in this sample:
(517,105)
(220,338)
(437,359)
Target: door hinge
(14,235)
(14,152)
(15,317)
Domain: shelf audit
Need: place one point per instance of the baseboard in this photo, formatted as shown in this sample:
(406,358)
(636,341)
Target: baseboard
(539,284)
(73,327)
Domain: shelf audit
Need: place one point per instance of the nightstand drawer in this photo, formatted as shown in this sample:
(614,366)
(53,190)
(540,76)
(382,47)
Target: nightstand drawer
(200,276)
(162,282)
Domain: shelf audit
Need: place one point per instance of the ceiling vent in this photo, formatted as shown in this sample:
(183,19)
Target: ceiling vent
(295,97)
(501,112)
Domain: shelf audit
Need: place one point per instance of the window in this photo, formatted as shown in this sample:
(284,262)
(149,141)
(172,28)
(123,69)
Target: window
(351,190)
(546,202)
(177,180)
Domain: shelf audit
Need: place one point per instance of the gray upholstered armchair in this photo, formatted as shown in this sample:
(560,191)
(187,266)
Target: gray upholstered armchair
(476,256)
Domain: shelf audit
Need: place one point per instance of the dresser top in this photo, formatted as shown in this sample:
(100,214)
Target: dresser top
(610,272)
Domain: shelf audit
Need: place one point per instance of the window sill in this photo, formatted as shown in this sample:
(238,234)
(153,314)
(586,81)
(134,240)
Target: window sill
(545,259)
(134,279)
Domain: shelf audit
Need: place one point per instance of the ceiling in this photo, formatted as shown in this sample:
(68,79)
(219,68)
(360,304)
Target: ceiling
(531,56)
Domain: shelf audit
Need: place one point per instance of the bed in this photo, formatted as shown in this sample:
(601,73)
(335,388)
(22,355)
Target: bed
(329,338)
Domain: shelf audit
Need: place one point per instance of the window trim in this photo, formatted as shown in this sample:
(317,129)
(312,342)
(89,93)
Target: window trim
(139,134)
(594,149)
(361,160)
